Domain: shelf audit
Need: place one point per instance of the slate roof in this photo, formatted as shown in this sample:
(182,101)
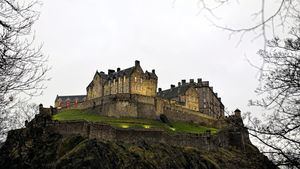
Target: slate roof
(151,75)
(125,72)
(174,92)
(72,97)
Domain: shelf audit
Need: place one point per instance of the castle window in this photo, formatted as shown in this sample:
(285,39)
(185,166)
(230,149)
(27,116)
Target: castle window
(141,80)
(119,80)
(135,79)
(124,79)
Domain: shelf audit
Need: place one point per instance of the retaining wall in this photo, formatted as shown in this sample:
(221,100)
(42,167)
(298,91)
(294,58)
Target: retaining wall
(108,133)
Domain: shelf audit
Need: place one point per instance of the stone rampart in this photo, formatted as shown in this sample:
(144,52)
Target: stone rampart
(134,105)
(106,132)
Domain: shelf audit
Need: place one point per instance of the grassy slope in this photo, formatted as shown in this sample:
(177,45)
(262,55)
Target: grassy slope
(131,122)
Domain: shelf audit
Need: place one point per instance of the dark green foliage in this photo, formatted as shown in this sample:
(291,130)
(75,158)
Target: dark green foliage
(163,118)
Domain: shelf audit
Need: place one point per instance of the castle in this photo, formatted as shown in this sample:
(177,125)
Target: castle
(132,92)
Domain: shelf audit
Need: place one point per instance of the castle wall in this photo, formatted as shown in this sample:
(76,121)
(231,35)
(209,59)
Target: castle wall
(96,89)
(120,108)
(121,105)
(141,85)
(105,132)
(209,103)
(192,99)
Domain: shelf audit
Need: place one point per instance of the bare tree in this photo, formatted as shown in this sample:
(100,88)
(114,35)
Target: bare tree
(265,23)
(279,131)
(22,66)
(16,117)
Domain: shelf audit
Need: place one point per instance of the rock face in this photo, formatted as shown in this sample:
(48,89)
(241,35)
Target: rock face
(37,146)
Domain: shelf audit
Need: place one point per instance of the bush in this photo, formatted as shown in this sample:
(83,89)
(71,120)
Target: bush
(163,118)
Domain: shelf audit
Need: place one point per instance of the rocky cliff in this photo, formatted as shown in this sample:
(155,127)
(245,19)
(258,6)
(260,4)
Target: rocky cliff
(38,146)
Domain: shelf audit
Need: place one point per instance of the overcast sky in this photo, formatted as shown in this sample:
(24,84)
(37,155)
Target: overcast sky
(169,36)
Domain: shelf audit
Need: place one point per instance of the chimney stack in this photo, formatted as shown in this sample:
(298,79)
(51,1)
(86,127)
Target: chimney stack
(111,71)
(199,81)
(172,86)
(153,71)
(118,69)
(237,113)
(179,84)
(183,81)
(205,83)
(137,63)
(191,80)
(159,89)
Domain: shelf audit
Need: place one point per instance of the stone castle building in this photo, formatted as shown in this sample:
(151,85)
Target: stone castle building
(132,92)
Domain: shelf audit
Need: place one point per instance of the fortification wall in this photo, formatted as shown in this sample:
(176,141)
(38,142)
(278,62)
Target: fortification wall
(108,133)
(176,113)
(133,105)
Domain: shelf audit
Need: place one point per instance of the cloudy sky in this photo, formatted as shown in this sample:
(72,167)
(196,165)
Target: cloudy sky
(173,37)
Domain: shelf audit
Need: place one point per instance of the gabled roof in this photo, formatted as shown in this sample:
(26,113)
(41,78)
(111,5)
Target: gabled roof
(71,97)
(174,92)
(126,72)
(150,75)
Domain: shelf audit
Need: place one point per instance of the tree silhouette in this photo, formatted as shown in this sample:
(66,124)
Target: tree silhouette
(22,66)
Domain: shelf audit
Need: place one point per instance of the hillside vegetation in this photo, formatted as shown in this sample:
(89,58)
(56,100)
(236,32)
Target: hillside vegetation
(132,123)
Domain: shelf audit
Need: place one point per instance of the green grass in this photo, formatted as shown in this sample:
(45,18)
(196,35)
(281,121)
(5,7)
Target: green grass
(174,127)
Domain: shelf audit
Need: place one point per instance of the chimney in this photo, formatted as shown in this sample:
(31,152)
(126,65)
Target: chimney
(237,113)
(118,69)
(216,94)
(191,80)
(183,81)
(111,71)
(205,83)
(179,84)
(153,71)
(137,63)
(172,86)
(159,89)
(199,81)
